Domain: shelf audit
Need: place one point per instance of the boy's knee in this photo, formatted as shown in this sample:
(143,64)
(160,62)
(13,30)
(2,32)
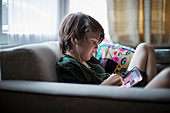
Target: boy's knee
(146,47)
(167,70)
(167,73)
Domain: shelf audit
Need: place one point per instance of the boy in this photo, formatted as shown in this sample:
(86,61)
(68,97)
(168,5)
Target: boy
(79,37)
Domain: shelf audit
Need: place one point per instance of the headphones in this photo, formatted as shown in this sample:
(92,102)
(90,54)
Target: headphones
(77,49)
(76,41)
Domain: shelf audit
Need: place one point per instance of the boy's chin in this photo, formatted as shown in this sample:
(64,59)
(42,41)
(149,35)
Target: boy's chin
(88,58)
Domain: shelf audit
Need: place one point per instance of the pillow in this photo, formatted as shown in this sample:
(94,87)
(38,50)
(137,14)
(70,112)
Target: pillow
(114,58)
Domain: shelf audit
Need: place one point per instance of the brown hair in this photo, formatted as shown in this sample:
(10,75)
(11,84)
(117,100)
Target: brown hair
(79,24)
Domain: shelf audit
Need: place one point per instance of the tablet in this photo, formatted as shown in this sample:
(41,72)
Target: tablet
(132,78)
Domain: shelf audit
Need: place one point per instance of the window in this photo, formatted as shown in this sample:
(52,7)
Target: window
(18,21)
(4,16)
(30,21)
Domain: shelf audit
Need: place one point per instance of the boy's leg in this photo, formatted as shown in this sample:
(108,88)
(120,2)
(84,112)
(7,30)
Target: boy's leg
(145,59)
(162,80)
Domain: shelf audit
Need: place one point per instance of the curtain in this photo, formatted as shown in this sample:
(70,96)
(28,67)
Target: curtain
(134,21)
(32,21)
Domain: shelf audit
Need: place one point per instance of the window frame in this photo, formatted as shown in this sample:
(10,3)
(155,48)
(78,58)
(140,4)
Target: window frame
(1,16)
(3,36)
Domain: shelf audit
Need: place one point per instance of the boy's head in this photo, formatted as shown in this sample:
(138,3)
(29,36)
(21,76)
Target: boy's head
(77,25)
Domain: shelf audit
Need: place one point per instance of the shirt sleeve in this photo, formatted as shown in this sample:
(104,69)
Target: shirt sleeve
(71,73)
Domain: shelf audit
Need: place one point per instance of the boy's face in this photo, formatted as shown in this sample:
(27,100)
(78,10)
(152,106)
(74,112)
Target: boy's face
(88,46)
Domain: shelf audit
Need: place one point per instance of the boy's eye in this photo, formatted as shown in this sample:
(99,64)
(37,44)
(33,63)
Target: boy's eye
(94,42)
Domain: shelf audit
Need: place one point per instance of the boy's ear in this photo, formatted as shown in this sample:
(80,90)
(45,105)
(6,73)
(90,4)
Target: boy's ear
(73,39)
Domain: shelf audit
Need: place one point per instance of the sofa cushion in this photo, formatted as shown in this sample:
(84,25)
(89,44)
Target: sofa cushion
(118,53)
(30,62)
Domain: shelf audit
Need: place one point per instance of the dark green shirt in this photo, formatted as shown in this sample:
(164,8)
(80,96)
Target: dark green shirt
(71,71)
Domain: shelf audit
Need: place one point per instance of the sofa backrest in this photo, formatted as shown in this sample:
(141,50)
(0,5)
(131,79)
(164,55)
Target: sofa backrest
(30,62)
(38,61)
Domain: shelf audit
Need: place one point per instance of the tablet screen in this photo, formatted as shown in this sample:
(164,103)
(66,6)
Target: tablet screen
(132,78)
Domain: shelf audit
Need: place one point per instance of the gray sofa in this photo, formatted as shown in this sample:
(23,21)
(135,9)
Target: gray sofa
(29,85)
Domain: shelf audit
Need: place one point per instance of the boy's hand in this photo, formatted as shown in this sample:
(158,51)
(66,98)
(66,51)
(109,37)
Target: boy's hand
(114,79)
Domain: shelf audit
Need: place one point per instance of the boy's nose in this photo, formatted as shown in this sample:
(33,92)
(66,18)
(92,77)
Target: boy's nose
(96,47)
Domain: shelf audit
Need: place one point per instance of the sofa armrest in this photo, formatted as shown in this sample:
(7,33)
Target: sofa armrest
(31,96)
(162,59)
(30,62)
